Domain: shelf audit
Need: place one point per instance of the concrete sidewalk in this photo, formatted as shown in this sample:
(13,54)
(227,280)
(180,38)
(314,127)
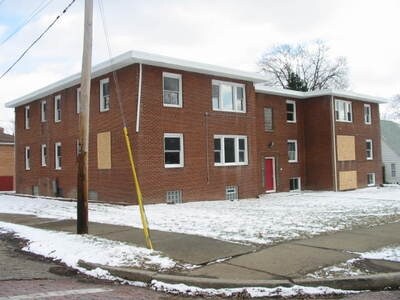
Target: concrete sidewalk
(230,262)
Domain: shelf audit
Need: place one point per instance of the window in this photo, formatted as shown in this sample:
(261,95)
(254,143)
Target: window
(57,108)
(228,96)
(292,151)
(368,149)
(27,117)
(367,114)
(231,193)
(230,150)
(295,184)
(43,109)
(78,100)
(371,179)
(291,111)
(57,156)
(268,119)
(27,158)
(172,90)
(78,148)
(43,154)
(343,111)
(173,197)
(104,94)
(173,150)
(393,170)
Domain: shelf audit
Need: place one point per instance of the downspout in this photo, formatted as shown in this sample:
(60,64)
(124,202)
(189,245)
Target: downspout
(333,123)
(139,97)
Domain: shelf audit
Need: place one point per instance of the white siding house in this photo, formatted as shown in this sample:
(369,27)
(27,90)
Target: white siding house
(391,151)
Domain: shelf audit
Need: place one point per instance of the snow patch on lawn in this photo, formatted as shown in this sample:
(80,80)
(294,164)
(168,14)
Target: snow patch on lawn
(70,248)
(267,220)
(253,292)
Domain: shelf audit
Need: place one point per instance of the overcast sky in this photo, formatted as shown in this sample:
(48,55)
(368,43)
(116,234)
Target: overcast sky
(228,33)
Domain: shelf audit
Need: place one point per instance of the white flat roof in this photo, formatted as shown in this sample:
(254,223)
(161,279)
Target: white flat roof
(132,57)
(262,89)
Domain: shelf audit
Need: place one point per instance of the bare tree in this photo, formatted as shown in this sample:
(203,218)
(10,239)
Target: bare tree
(310,62)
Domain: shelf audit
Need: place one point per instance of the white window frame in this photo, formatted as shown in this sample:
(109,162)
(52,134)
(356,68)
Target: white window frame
(103,97)
(43,155)
(299,184)
(180,98)
(296,151)
(27,116)
(57,157)
(236,147)
(373,183)
(347,108)
(294,111)
(181,151)
(235,100)
(369,157)
(57,112)
(78,100)
(27,158)
(43,110)
(367,114)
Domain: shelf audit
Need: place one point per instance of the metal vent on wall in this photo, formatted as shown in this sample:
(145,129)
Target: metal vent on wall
(173,197)
(231,193)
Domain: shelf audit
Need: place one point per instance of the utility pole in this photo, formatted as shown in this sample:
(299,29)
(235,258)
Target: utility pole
(84,111)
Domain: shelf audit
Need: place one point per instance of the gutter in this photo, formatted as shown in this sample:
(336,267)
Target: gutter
(139,97)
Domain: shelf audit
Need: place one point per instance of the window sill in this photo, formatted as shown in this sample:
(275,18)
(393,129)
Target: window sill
(230,111)
(172,105)
(287,121)
(230,164)
(344,121)
(173,166)
(293,161)
(370,158)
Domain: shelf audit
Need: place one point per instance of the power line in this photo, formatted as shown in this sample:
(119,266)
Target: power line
(35,41)
(32,15)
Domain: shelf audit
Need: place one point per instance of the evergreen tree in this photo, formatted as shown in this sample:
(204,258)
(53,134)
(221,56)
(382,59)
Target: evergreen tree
(295,83)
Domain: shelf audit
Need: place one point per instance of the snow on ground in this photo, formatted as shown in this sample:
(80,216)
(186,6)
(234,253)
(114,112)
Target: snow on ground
(354,266)
(271,218)
(391,253)
(253,292)
(68,248)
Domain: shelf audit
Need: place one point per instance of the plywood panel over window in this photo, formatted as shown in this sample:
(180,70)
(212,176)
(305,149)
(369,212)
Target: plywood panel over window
(346,149)
(104,150)
(347,180)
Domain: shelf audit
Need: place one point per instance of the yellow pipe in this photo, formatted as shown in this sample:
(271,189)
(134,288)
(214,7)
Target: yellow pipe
(138,192)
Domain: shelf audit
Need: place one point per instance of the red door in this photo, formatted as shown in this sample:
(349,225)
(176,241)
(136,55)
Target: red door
(269,174)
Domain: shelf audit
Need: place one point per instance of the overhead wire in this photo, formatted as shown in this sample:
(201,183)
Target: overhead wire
(37,39)
(36,11)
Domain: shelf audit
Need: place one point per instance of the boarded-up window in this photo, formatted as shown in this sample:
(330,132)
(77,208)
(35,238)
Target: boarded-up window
(104,150)
(347,180)
(346,149)
(268,119)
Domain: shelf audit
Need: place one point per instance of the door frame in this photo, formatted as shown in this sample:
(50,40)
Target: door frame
(273,174)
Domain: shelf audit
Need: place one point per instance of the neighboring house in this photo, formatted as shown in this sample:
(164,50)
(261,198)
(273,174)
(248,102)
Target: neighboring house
(6,161)
(198,132)
(390,132)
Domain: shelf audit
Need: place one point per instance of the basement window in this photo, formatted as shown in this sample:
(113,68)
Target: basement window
(371,179)
(294,184)
(231,193)
(174,197)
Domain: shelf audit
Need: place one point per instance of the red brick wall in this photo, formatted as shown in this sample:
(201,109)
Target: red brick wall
(318,141)
(363,131)
(198,179)
(283,131)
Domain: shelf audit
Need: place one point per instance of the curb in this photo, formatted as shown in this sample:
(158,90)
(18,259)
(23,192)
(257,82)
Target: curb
(358,283)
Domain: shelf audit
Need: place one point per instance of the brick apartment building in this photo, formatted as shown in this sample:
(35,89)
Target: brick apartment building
(198,132)
(6,161)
